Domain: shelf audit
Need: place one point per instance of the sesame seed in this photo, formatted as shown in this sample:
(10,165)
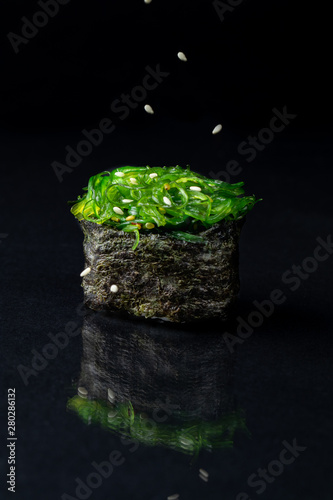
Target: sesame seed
(147,1)
(173,497)
(195,188)
(82,391)
(130,217)
(204,478)
(114,289)
(148,109)
(217,129)
(133,180)
(116,219)
(149,225)
(166,200)
(112,414)
(119,174)
(167,186)
(153,175)
(185,442)
(125,200)
(204,473)
(182,56)
(85,272)
(111,395)
(118,210)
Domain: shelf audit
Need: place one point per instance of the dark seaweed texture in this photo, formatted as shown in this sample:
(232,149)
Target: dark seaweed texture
(164,277)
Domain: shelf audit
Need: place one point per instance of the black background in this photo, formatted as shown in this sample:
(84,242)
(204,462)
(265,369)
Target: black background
(264,55)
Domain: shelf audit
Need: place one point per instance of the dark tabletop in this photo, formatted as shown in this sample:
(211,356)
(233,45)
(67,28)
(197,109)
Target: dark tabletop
(268,375)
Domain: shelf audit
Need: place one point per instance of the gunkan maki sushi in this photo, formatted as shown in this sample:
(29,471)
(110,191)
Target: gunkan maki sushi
(161,242)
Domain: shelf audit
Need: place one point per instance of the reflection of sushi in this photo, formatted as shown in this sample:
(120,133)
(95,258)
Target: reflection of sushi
(157,386)
(181,263)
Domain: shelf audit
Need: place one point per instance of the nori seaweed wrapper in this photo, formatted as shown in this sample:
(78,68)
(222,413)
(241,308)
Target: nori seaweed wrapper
(164,277)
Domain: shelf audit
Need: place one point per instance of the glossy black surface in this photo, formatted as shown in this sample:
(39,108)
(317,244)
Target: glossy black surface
(280,376)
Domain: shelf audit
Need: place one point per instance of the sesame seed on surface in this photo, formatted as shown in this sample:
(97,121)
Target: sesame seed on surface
(119,174)
(112,414)
(111,395)
(203,472)
(114,288)
(82,391)
(204,478)
(153,175)
(195,188)
(166,200)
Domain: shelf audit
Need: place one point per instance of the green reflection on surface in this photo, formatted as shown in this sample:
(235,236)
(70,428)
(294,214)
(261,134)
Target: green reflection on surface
(187,437)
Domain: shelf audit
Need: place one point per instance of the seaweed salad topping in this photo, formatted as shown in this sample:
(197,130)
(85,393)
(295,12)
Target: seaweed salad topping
(144,199)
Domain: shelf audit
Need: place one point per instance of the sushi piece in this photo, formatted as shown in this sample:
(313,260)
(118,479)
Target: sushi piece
(161,243)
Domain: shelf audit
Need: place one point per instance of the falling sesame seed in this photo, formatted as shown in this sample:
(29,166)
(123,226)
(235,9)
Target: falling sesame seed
(195,188)
(204,473)
(217,129)
(166,200)
(114,289)
(130,217)
(133,180)
(111,395)
(173,497)
(149,225)
(182,56)
(85,272)
(119,174)
(118,210)
(125,200)
(153,175)
(148,109)
(147,1)
(82,391)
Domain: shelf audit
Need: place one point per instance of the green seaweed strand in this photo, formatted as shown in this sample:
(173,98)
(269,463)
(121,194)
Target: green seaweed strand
(174,198)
